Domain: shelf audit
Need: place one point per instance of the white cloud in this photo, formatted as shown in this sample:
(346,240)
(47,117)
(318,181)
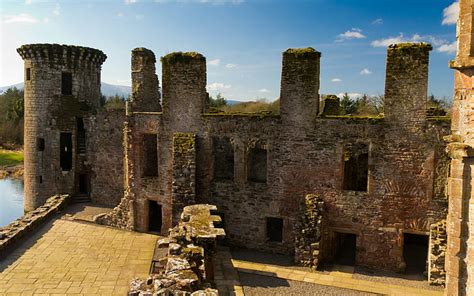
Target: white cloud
(24,18)
(119,14)
(46,20)
(336,80)
(354,33)
(388,41)
(211,2)
(378,21)
(263,90)
(448,48)
(365,71)
(130,1)
(230,66)
(215,62)
(451,14)
(27,2)
(218,86)
(401,38)
(57,9)
(352,96)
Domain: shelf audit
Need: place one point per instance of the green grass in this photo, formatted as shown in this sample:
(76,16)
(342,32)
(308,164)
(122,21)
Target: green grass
(9,158)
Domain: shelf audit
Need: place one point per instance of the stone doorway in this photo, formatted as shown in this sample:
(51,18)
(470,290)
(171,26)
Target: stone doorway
(415,253)
(84,185)
(155,216)
(345,251)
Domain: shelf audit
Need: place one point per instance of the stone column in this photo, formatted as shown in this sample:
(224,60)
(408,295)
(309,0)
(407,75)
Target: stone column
(145,85)
(299,94)
(460,222)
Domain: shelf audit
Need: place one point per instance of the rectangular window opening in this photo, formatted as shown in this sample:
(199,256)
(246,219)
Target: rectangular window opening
(81,136)
(155,216)
(356,167)
(274,229)
(40,144)
(66,83)
(40,179)
(258,165)
(150,155)
(28,74)
(65,155)
(223,159)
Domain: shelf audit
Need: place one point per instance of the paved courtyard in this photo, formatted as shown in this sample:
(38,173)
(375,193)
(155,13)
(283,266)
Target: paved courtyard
(71,257)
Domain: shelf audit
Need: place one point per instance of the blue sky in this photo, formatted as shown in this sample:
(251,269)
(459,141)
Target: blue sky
(242,39)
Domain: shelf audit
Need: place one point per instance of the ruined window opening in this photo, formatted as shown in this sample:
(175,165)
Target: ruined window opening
(81,136)
(65,146)
(40,179)
(40,144)
(98,78)
(415,253)
(155,216)
(28,74)
(223,159)
(356,167)
(258,165)
(345,248)
(274,229)
(84,184)
(66,83)
(150,155)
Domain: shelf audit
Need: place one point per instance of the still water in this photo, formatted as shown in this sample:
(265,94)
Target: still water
(11,200)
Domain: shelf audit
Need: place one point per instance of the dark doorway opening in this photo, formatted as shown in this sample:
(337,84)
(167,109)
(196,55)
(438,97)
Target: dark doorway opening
(415,253)
(345,248)
(154,216)
(65,155)
(274,229)
(150,155)
(83,184)
(258,165)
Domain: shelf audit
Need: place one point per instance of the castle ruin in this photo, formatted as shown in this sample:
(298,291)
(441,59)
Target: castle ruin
(372,186)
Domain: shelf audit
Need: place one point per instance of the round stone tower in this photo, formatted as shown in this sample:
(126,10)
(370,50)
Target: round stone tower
(62,88)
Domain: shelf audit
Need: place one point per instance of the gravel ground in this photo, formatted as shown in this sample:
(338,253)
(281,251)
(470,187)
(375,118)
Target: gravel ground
(258,285)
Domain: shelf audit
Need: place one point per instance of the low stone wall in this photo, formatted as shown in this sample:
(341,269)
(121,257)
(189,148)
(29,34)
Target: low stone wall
(11,171)
(23,227)
(182,264)
(437,253)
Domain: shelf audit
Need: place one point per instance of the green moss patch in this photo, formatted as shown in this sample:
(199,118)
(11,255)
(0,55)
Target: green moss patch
(411,46)
(182,57)
(10,158)
(307,52)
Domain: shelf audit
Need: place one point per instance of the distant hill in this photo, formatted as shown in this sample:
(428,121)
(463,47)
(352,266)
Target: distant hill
(107,89)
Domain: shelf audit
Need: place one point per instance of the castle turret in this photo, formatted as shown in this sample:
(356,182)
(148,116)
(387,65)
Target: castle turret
(299,95)
(184,89)
(62,86)
(145,85)
(406,83)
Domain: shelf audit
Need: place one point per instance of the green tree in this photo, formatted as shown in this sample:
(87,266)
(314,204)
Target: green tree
(12,105)
(348,106)
(217,102)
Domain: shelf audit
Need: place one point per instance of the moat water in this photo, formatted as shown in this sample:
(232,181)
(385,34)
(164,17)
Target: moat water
(11,200)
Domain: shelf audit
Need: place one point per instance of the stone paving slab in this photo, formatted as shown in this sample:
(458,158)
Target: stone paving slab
(70,257)
(334,279)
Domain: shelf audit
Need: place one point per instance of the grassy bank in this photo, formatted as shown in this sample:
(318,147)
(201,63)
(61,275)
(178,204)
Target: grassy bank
(10,158)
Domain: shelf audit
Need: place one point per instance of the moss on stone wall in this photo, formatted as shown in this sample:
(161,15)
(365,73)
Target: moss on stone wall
(182,57)
(302,53)
(411,46)
(184,141)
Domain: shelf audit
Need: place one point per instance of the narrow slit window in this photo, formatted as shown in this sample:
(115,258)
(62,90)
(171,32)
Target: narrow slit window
(66,83)
(40,144)
(28,74)
(274,229)
(258,165)
(81,136)
(65,155)
(356,167)
(223,159)
(150,155)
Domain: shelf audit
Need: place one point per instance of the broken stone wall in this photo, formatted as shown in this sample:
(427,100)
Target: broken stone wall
(437,253)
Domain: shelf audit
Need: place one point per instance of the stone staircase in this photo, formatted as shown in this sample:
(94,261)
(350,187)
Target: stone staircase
(80,198)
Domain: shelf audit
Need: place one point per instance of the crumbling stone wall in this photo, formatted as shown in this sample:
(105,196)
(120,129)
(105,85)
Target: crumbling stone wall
(307,242)
(186,268)
(437,253)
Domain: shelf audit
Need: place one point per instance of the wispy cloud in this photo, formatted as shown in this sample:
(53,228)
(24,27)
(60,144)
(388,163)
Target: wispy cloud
(211,2)
(130,1)
(119,14)
(378,21)
(24,18)
(402,38)
(215,62)
(57,9)
(352,96)
(216,86)
(448,48)
(365,71)
(230,66)
(336,80)
(263,90)
(451,14)
(354,33)
(27,2)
